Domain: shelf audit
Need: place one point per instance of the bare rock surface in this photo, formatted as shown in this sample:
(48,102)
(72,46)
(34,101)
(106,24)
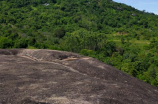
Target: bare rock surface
(56,77)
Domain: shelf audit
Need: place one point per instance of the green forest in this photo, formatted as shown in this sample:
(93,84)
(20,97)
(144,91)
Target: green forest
(114,33)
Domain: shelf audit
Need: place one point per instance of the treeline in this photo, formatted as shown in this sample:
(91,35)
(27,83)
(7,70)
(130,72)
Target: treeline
(111,32)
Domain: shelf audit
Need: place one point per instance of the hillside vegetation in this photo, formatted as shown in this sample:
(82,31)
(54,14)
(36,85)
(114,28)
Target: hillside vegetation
(114,33)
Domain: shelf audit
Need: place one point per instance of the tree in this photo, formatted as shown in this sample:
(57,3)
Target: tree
(59,33)
(122,40)
(21,43)
(5,42)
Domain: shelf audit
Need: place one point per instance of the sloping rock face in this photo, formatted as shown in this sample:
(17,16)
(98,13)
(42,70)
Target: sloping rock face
(58,77)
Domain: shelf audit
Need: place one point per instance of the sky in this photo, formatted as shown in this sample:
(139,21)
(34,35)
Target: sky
(147,5)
